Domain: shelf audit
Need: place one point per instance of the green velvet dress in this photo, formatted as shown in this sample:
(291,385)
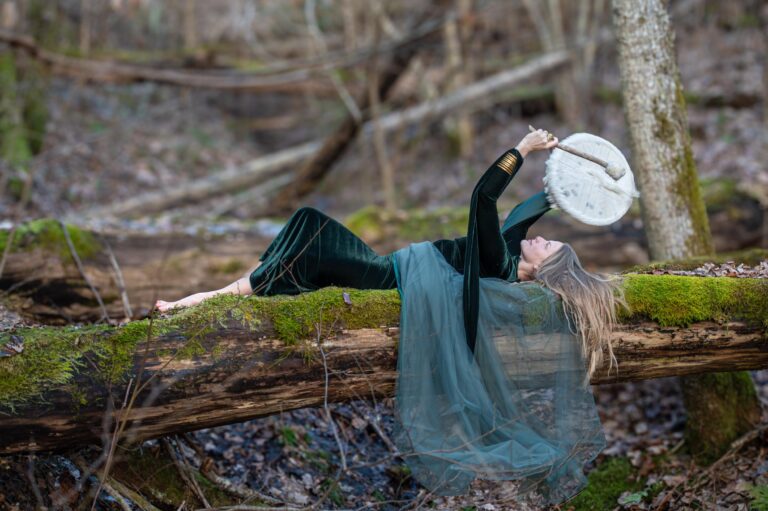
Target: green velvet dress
(313,250)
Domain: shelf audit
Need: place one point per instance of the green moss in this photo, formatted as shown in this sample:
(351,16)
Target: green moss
(750,257)
(759,494)
(295,317)
(230,266)
(154,475)
(373,223)
(686,186)
(52,356)
(673,300)
(721,407)
(689,189)
(46,233)
(605,484)
(334,491)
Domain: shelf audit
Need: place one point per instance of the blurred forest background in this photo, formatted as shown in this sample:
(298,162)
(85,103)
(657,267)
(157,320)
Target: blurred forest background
(184,132)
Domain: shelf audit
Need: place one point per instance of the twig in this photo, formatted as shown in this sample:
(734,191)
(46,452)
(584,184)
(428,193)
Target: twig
(139,500)
(122,419)
(374,423)
(342,455)
(124,505)
(184,471)
(118,278)
(30,473)
(317,37)
(233,489)
(735,447)
(78,262)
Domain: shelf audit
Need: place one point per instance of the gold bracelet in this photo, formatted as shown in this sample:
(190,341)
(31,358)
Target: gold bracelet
(507,163)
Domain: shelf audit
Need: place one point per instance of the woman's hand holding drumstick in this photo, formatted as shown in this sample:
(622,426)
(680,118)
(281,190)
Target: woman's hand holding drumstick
(537,140)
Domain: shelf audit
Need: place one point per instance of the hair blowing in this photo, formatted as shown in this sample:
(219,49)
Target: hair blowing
(589,299)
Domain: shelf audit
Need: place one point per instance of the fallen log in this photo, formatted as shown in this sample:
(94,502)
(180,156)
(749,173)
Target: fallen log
(235,358)
(298,76)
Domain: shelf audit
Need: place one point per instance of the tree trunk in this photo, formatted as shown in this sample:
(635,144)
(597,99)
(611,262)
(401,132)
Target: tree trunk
(190,24)
(85,27)
(673,211)
(234,358)
(570,88)
(457,42)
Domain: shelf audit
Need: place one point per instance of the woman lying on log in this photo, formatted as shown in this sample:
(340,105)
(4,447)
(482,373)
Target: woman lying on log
(496,388)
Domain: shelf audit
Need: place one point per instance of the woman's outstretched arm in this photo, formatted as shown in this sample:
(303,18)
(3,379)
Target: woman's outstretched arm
(239,287)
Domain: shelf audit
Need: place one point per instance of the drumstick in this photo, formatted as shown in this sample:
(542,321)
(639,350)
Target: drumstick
(612,170)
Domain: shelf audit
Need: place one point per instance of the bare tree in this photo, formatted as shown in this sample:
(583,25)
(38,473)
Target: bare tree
(85,26)
(721,406)
(572,84)
(457,39)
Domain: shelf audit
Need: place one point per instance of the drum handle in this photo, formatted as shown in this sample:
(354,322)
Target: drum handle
(612,171)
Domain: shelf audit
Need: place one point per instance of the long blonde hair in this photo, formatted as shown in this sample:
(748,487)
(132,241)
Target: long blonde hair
(590,299)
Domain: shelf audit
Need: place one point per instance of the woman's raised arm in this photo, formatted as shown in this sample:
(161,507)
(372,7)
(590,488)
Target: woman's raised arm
(486,249)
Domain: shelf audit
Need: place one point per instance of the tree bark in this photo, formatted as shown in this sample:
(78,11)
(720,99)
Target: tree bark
(233,358)
(654,105)
(673,211)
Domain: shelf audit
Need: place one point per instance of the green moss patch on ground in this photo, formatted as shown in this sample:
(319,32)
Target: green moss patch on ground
(154,475)
(46,234)
(759,494)
(373,223)
(608,482)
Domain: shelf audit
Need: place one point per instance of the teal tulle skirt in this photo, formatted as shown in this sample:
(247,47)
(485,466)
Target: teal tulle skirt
(520,408)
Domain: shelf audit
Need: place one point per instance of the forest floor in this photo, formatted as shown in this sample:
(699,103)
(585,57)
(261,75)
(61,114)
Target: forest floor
(107,143)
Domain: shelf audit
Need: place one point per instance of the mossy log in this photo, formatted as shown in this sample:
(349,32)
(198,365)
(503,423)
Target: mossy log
(45,284)
(235,358)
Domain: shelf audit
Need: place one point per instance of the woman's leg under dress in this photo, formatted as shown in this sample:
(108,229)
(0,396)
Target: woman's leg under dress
(312,251)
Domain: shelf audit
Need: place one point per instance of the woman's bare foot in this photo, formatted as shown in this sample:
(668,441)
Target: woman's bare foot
(194,299)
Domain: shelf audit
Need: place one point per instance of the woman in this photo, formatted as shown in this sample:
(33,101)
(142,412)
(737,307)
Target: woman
(505,397)
(313,251)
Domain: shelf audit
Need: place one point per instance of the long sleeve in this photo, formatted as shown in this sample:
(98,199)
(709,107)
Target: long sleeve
(483,229)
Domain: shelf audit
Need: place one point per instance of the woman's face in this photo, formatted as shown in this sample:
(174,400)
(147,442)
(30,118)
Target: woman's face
(535,250)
